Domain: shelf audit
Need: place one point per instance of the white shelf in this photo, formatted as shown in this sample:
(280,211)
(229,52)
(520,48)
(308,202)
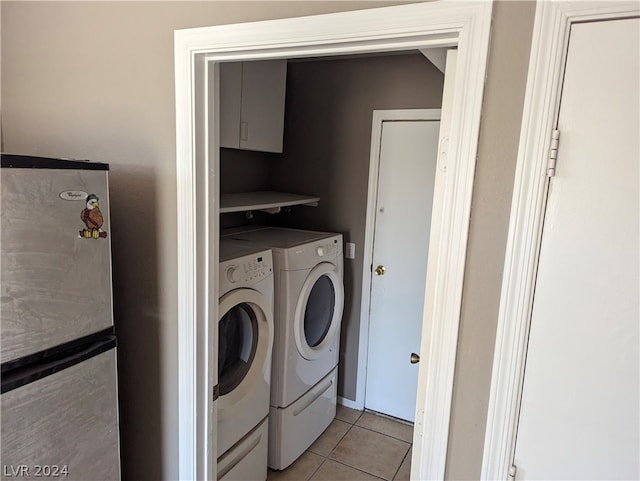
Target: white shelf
(268,201)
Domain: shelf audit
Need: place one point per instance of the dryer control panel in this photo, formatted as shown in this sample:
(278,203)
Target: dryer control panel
(329,248)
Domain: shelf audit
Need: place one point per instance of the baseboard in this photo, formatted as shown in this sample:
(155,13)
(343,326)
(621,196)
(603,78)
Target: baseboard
(348,403)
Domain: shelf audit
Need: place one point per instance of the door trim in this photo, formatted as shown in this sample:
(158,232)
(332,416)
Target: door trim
(198,51)
(379,117)
(546,69)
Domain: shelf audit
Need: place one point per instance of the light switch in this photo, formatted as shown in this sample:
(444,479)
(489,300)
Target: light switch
(350,250)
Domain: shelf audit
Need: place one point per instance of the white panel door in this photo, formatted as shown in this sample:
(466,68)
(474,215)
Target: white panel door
(580,400)
(407,165)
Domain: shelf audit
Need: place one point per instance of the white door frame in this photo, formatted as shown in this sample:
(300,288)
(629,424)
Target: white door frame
(379,117)
(546,69)
(464,25)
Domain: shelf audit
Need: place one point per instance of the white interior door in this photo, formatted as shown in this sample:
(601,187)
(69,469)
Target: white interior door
(579,410)
(407,166)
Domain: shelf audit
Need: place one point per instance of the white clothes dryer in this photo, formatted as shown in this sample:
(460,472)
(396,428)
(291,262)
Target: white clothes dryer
(245,343)
(309,302)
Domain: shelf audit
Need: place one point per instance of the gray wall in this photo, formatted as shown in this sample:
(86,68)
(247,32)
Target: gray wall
(244,171)
(95,80)
(493,185)
(327,145)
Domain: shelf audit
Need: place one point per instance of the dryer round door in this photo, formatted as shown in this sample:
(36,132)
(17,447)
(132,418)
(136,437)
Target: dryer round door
(318,312)
(245,337)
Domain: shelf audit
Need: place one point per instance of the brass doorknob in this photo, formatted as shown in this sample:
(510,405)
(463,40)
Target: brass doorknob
(380,270)
(415,358)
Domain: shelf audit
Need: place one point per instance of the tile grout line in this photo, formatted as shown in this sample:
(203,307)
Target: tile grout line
(332,449)
(401,462)
(410,445)
(316,470)
(384,434)
(361,470)
(351,425)
(355,467)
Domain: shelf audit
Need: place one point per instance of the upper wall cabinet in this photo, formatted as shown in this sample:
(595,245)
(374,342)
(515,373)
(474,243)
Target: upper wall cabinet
(252,105)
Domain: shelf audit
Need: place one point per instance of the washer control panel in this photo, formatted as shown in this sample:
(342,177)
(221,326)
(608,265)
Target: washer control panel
(246,270)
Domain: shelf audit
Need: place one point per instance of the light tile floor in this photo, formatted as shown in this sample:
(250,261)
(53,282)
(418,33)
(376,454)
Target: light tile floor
(356,446)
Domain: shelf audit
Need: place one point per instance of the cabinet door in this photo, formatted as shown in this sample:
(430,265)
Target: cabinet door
(262,111)
(230,99)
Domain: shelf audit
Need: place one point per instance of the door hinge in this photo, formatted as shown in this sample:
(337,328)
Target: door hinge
(553,153)
(216,392)
(512,473)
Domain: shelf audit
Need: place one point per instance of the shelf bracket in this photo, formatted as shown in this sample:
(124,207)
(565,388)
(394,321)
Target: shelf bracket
(272,210)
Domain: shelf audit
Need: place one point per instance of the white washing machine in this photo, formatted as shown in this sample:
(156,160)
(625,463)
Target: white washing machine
(245,343)
(309,301)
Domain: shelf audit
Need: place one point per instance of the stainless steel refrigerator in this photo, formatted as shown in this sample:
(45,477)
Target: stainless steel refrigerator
(59,404)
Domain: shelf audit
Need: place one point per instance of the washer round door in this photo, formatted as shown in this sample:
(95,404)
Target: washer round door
(319,311)
(245,337)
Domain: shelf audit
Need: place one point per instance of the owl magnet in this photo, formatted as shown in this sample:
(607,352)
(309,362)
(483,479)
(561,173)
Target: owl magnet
(93,219)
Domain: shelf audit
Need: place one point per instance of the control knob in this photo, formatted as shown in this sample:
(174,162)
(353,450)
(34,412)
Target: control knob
(233,274)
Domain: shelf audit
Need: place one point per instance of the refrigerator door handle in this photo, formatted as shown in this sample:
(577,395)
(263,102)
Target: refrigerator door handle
(18,377)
